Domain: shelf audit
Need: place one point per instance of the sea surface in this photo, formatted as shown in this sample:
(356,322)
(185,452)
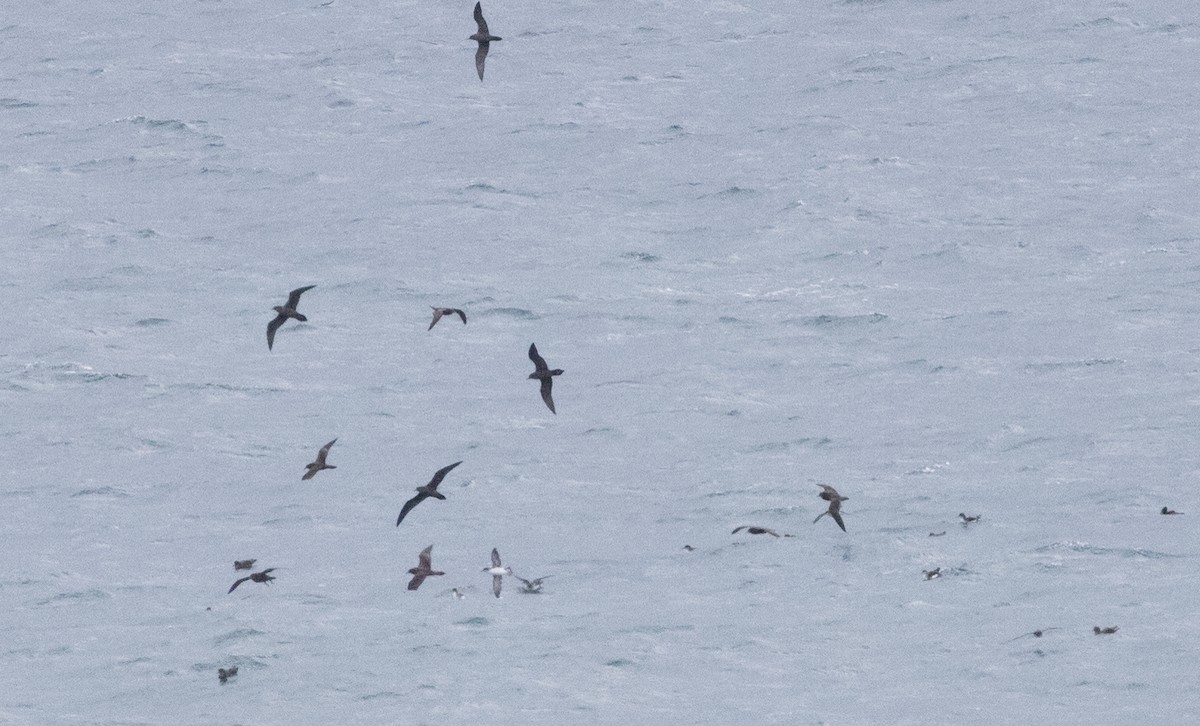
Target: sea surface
(942,255)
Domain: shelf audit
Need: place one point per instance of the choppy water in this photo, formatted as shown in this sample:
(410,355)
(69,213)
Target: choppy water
(940,255)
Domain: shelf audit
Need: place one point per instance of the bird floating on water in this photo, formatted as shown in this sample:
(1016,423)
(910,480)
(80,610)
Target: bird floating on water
(429,490)
(262,577)
(484,38)
(760,530)
(968,520)
(319,464)
(423,569)
(497,571)
(243,564)
(439,312)
(1105,631)
(226,673)
(835,500)
(931,574)
(1170,511)
(543,373)
(285,311)
(937,534)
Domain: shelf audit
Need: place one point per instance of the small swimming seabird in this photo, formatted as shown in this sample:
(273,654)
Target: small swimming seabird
(544,374)
(835,500)
(1036,633)
(423,569)
(319,464)
(1170,511)
(689,548)
(484,39)
(287,310)
(759,530)
(930,574)
(226,673)
(532,587)
(968,520)
(243,564)
(937,534)
(262,577)
(429,490)
(458,594)
(439,312)
(1105,631)
(497,572)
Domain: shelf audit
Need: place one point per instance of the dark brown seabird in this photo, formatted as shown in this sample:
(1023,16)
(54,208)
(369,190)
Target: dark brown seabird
(429,490)
(543,373)
(1105,631)
(759,530)
(532,587)
(226,673)
(262,577)
(484,38)
(243,564)
(1036,634)
(1170,511)
(285,311)
(968,520)
(931,574)
(319,464)
(835,500)
(439,312)
(423,569)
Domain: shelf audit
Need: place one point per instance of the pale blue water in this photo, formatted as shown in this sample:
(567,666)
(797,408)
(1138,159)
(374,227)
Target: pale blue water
(942,256)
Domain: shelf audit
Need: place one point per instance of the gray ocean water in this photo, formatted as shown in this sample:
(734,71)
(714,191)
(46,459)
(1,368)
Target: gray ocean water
(942,255)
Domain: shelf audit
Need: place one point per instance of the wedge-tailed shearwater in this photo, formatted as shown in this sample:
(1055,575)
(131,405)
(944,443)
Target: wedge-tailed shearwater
(429,490)
(484,38)
(759,530)
(532,587)
(1170,511)
(543,373)
(497,572)
(262,577)
(1105,631)
(423,569)
(285,311)
(835,500)
(439,312)
(225,674)
(243,564)
(319,464)
(1036,634)
(968,520)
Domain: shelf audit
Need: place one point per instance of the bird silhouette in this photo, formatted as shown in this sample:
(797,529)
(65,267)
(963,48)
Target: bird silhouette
(262,577)
(543,373)
(319,464)
(285,311)
(423,569)
(484,38)
(423,493)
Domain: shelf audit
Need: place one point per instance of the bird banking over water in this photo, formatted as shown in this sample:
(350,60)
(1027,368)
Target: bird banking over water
(439,312)
(835,500)
(263,577)
(423,569)
(497,571)
(429,490)
(484,38)
(543,373)
(285,311)
(319,464)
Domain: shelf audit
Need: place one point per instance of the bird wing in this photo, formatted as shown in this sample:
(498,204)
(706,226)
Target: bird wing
(441,474)
(538,361)
(324,452)
(483,29)
(837,518)
(497,580)
(481,57)
(547,387)
(426,558)
(235,584)
(294,296)
(312,471)
(739,529)
(461,314)
(272,327)
(408,507)
(414,583)
(495,557)
(437,315)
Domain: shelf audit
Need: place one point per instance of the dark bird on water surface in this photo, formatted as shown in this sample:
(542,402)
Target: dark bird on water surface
(968,520)
(497,571)
(285,311)
(429,490)
(759,530)
(423,569)
(226,673)
(319,464)
(543,373)
(1170,511)
(243,564)
(439,312)
(484,38)
(262,577)
(934,573)
(1036,633)
(1105,631)
(937,534)
(835,500)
